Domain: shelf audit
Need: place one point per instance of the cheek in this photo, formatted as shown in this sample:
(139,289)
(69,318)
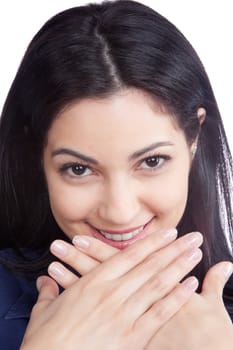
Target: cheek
(71,204)
(168,197)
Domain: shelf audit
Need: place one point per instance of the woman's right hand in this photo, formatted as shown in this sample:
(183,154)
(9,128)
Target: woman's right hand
(119,304)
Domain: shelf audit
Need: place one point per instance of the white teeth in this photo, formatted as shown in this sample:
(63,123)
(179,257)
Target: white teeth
(123,236)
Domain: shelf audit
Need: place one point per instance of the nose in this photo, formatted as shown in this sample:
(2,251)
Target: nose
(120,204)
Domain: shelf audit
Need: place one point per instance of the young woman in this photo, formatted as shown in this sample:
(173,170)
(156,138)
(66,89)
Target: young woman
(114,160)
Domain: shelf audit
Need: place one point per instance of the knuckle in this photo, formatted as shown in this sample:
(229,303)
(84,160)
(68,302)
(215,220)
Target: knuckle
(162,312)
(159,285)
(180,295)
(153,262)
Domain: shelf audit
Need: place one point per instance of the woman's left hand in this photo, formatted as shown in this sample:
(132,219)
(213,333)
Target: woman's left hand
(202,323)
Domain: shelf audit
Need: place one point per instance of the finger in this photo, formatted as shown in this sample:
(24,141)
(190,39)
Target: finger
(160,284)
(62,275)
(100,251)
(47,288)
(94,248)
(149,249)
(80,262)
(216,279)
(47,292)
(73,257)
(165,309)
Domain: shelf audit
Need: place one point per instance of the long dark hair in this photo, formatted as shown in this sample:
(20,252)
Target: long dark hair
(93,51)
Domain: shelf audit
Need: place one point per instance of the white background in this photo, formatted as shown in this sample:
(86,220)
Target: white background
(207,24)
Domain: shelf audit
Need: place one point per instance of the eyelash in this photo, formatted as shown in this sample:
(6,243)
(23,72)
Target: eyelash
(64,169)
(157,157)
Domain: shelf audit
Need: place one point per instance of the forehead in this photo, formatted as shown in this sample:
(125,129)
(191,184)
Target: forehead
(134,102)
(125,118)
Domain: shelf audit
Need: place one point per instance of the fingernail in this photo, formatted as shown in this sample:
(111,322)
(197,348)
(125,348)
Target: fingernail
(39,283)
(191,283)
(193,239)
(56,270)
(59,248)
(81,242)
(193,255)
(227,269)
(170,233)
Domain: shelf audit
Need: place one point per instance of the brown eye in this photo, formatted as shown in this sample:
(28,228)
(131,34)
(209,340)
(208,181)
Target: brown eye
(152,161)
(78,169)
(75,170)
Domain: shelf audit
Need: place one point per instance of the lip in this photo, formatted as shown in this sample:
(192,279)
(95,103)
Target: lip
(121,244)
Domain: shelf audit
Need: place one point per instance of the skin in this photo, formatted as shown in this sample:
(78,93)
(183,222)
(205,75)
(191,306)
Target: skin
(202,320)
(116,194)
(121,303)
(137,291)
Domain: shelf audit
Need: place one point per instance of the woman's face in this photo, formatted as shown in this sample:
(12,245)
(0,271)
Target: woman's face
(117,168)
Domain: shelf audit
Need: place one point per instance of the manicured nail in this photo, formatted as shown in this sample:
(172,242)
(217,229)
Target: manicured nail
(56,270)
(81,242)
(39,283)
(227,269)
(194,239)
(191,283)
(59,248)
(193,255)
(169,234)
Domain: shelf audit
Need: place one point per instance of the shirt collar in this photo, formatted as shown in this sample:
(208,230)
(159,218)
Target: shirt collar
(23,304)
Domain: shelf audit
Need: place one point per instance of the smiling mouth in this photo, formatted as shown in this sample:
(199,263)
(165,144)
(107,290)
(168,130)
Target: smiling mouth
(121,239)
(122,236)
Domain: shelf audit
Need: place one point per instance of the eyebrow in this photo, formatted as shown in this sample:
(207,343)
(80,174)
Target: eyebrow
(151,147)
(137,154)
(70,152)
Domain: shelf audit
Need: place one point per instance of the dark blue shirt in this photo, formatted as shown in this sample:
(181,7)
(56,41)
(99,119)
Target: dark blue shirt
(17,297)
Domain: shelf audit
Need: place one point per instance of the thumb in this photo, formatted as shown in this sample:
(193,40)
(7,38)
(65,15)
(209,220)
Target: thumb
(47,288)
(216,278)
